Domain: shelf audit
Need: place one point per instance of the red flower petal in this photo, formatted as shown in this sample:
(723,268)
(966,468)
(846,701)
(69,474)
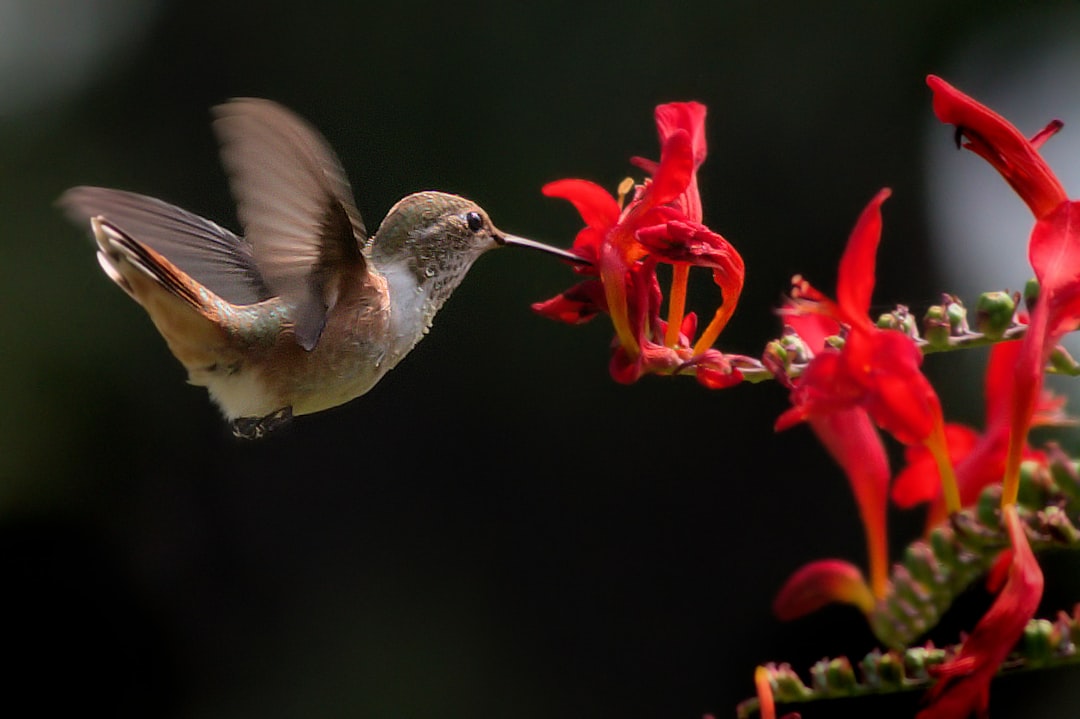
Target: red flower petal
(920,480)
(675,171)
(812,327)
(820,583)
(1054,251)
(578,304)
(595,204)
(897,394)
(998,142)
(854,442)
(714,371)
(690,117)
(855,278)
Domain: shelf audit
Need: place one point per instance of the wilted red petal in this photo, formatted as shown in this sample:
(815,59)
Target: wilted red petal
(997,141)
(819,583)
(578,304)
(691,242)
(964,684)
(855,278)
(595,204)
(715,372)
(624,368)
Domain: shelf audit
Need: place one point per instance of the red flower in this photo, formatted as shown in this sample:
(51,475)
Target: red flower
(877,370)
(963,685)
(661,223)
(1054,248)
(850,437)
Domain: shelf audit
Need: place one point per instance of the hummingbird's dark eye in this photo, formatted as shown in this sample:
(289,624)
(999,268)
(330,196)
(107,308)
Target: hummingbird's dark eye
(475,221)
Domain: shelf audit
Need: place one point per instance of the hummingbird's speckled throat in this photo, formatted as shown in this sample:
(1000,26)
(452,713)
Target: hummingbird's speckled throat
(305,311)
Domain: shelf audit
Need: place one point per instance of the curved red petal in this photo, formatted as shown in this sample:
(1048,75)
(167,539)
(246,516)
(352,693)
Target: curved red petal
(997,141)
(675,171)
(812,327)
(1054,252)
(855,444)
(819,583)
(576,305)
(713,370)
(965,684)
(688,116)
(595,204)
(623,368)
(855,278)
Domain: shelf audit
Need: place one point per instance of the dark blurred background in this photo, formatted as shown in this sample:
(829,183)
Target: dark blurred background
(497,529)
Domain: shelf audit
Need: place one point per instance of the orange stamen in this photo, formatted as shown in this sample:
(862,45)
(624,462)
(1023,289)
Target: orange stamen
(677,303)
(939,449)
(766,703)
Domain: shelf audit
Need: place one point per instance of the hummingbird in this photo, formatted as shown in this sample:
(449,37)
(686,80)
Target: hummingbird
(305,311)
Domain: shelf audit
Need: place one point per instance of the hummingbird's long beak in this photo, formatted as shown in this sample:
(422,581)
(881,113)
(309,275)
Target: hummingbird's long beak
(515,241)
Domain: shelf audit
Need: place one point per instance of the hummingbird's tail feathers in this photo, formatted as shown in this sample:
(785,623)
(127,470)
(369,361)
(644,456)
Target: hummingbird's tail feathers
(295,205)
(182,310)
(200,328)
(208,253)
(117,249)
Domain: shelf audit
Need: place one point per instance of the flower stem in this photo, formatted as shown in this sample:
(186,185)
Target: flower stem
(677,304)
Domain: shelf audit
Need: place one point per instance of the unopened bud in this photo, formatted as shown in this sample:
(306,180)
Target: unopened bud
(900,319)
(957,314)
(1031,293)
(776,359)
(936,327)
(994,313)
(795,347)
(1063,363)
(1041,641)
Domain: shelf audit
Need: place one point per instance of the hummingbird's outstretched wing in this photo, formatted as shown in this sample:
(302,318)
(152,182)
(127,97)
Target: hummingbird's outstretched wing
(295,205)
(210,254)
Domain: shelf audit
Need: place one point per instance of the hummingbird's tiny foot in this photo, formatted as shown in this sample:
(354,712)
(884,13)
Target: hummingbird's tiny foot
(258,427)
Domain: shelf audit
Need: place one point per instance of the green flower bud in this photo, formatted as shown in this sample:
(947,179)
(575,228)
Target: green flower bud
(994,313)
(936,326)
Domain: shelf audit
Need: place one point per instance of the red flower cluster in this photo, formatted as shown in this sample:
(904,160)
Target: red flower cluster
(876,376)
(1054,247)
(660,223)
